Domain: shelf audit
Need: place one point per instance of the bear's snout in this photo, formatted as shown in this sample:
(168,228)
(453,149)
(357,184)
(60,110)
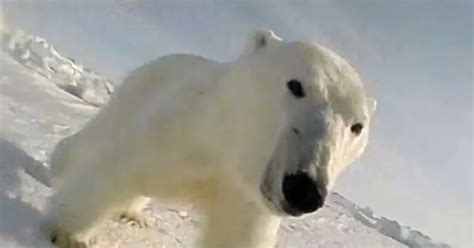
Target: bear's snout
(302,194)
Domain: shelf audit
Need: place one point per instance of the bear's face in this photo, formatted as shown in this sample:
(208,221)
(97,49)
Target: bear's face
(316,116)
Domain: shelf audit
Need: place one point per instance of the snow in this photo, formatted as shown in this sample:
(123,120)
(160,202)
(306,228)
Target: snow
(35,53)
(37,109)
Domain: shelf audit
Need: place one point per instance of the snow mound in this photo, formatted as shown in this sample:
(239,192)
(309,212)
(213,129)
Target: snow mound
(38,55)
(393,229)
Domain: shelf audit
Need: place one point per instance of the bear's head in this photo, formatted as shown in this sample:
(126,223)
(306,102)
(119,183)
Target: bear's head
(305,116)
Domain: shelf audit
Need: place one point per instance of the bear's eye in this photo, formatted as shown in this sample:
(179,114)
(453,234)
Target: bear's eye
(296,88)
(357,128)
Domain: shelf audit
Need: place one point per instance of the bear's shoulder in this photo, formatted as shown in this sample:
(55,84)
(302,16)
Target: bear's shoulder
(174,65)
(172,72)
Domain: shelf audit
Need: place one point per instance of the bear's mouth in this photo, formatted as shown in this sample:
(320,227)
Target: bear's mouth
(265,192)
(268,199)
(271,201)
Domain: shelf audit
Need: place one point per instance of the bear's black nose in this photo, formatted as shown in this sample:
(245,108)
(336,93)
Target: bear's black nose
(302,194)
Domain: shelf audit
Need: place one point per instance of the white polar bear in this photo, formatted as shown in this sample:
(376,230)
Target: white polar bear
(246,142)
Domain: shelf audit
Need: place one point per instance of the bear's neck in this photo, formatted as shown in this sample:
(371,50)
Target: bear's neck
(250,128)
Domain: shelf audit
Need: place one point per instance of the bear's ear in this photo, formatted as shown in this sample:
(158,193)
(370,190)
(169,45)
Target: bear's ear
(372,105)
(261,39)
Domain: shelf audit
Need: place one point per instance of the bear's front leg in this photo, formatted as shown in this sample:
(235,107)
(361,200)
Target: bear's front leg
(133,212)
(79,206)
(233,222)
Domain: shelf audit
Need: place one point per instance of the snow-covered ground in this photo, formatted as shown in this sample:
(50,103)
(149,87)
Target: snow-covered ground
(45,96)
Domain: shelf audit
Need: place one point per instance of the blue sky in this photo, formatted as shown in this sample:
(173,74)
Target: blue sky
(416,58)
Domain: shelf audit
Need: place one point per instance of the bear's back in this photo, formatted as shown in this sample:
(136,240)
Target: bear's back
(175,69)
(166,92)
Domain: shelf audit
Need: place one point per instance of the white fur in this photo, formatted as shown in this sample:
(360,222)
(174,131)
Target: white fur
(185,129)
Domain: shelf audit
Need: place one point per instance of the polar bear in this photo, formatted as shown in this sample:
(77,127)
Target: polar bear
(246,142)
